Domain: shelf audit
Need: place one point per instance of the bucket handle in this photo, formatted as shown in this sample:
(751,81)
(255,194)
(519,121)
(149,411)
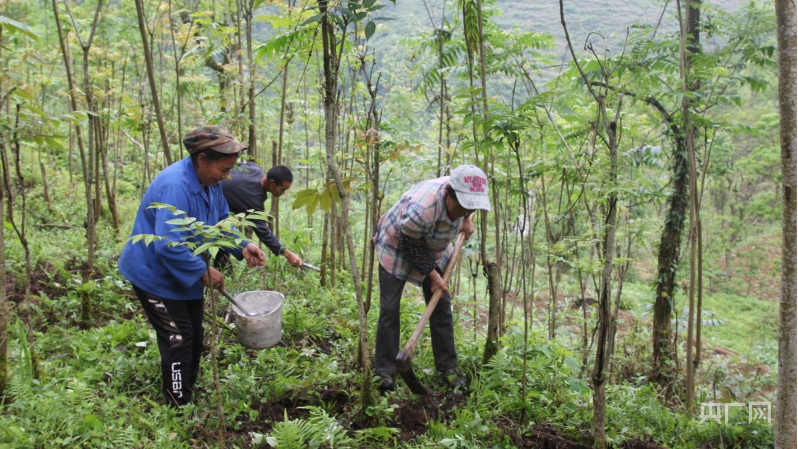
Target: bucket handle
(235,303)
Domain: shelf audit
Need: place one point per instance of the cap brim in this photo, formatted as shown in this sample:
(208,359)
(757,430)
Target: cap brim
(233,147)
(473,202)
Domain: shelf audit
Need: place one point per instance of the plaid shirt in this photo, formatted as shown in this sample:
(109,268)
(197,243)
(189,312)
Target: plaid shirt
(419,214)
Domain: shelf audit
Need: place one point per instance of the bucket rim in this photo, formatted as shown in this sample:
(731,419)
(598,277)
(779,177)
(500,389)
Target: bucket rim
(241,313)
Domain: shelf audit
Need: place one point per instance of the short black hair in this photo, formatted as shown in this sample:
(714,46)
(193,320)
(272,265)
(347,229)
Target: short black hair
(280,174)
(212,155)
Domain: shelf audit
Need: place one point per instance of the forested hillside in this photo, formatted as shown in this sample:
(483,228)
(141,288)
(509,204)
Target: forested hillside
(624,290)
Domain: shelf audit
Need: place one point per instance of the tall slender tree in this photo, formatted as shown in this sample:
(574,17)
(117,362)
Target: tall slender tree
(156,101)
(86,162)
(786,432)
(608,124)
(4,304)
(690,84)
(331,60)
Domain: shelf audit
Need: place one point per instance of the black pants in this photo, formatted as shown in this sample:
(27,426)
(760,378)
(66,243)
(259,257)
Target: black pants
(441,325)
(178,325)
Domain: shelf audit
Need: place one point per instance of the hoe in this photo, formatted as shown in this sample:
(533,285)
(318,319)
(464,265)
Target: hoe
(403,359)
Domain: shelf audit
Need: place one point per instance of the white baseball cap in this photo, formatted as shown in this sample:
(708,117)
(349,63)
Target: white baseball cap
(471,187)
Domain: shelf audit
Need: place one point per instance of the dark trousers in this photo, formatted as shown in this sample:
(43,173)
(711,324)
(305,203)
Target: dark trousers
(178,325)
(441,326)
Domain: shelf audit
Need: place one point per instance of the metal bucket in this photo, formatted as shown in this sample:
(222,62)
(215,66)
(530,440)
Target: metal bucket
(266,328)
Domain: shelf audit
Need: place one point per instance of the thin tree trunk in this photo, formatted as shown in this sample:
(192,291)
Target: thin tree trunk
(253,116)
(785,436)
(550,241)
(156,102)
(373,134)
(494,313)
(669,250)
(281,129)
(71,148)
(274,208)
(177,59)
(109,191)
(325,252)
(46,186)
(495,297)
(604,344)
(699,292)
(19,227)
(331,61)
(95,148)
(333,243)
(690,47)
(85,164)
(4,309)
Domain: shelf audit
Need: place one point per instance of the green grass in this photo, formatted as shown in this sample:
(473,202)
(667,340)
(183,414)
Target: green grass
(745,325)
(748,323)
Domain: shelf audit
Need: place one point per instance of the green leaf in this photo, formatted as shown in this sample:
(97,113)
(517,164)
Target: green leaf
(338,21)
(14,432)
(311,206)
(14,27)
(92,422)
(343,10)
(313,19)
(202,248)
(22,93)
(80,115)
(302,198)
(577,385)
(371,27)
(572,363)
(54,142)
(326,200)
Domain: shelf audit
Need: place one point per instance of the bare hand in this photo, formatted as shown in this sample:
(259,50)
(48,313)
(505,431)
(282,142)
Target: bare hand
(436,282)
(216,280)
(293,259)
(254,255)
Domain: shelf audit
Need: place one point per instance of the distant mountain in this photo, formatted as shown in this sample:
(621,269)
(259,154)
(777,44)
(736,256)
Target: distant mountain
(608,18)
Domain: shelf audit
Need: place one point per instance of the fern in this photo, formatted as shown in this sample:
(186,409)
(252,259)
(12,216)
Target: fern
(320,429)
(290,434)
(328,429)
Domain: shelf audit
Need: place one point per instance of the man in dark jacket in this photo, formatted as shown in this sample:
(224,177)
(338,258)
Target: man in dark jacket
(247,189)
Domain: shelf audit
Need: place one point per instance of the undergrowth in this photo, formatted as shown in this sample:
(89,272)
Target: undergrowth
(99,388)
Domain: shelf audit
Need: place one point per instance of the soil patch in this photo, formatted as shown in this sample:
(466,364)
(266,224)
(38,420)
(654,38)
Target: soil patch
(413,416)
(43,280)
(636,443)
(544,436)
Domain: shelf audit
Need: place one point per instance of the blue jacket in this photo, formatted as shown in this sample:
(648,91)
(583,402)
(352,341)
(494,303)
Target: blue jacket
(157,268)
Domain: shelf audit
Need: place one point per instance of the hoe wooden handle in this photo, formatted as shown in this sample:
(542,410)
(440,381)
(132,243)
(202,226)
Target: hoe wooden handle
(410,346)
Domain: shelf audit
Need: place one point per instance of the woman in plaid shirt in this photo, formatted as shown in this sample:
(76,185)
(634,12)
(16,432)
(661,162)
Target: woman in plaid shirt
(413,243)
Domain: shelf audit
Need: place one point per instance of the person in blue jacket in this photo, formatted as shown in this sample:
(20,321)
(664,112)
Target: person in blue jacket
(168,280)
